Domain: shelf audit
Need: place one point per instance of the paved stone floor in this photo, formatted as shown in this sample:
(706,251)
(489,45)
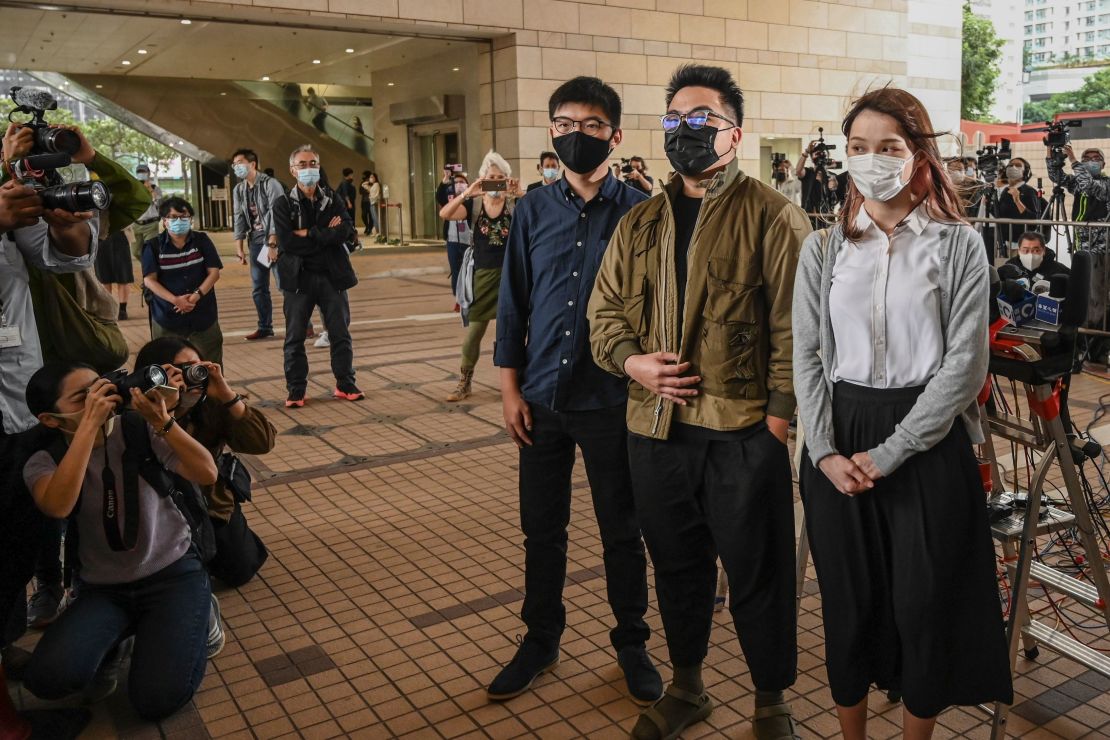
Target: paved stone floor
(392,590)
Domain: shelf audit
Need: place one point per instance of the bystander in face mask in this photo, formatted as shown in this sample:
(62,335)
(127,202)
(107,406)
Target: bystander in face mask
(550,173)
(241,170)
(179,226)
(309,176)
(1015,174)
(1031,261)
(1093,166)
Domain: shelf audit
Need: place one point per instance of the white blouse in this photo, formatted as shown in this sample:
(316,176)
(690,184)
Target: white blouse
(885,303)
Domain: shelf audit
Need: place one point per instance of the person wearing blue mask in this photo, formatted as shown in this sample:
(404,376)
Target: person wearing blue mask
(314,269)
(548,169)
(180,270)
(252,201)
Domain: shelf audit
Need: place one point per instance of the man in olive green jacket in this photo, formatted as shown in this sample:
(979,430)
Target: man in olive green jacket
(693,304)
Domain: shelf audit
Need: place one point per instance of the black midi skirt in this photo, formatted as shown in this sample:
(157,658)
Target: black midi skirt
(113,261)
(909,592)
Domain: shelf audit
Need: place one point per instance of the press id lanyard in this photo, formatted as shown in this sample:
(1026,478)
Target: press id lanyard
(9,335)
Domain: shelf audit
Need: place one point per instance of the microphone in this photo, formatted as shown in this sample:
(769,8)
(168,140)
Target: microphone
(1016,304)
(1078,291)
(1009,272)
(996,286)
(1041,287)
(34,98)
(1058,286)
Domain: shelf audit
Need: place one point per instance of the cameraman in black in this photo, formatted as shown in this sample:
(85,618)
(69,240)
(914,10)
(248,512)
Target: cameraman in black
(636,176)
(1091,189)
(818,200)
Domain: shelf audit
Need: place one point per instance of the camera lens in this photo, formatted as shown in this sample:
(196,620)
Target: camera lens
(57,140)
(152,375)
(77,196)
(194,375)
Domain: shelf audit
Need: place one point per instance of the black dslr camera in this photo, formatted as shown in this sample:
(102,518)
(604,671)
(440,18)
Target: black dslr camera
(820,156)
(53,148)
(145,379)
(195,376)
(991,158)
(1057,137)
(626,166)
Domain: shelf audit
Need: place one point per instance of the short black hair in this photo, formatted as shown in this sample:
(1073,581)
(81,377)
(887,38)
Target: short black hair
(638,158)
(248,154)
(348,171)
(45,385)
(1035,236)
(548,155)
(587,91)
(162,350)
(175,204)
(715,78)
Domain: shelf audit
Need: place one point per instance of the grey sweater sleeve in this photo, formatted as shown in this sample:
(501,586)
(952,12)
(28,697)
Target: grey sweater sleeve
(963,369)
(814,403)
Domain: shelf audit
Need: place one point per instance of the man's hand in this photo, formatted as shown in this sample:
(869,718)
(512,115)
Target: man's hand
(1070,153)
(518,418)
(86,153)
(181,304)
(845,475)
(864,462)
(240,252)
(18,141)
(20,206)
(809,149)
(70,232)
(778,427)
(335,221)
(658,373)
(272,252)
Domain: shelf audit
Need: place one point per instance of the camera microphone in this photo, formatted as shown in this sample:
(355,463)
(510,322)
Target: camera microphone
(37,164)
(34,98)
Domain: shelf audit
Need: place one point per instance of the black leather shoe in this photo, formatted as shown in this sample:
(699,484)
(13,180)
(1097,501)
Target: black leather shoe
(531,661)
(643,680)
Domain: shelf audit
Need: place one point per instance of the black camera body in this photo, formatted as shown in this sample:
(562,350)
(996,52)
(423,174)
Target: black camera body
(195,376)
(626,166)
(1057,137)
(144,378)
(53,149)
(993,157)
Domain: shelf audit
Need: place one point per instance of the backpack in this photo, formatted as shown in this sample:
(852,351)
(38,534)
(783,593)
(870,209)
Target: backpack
(139,460)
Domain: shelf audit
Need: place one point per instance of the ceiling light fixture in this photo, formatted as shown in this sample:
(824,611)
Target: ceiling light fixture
(223,93)
(350,51)
(390,84)
(99,87)
(265,78)
(142,51)
(315,61)
(181,143)
(186,22)
(454,69)
(125,62)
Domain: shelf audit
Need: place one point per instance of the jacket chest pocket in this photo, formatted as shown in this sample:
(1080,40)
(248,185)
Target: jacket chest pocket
(731,361)
(637,309)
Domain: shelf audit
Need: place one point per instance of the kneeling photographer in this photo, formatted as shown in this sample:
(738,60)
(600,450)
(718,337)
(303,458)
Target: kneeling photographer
(116,464)
(218,417)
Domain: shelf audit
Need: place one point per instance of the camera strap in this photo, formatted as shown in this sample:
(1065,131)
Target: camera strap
(110,514)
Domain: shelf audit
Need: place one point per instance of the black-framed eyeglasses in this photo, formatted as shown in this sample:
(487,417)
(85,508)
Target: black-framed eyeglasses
(694,119)
(305,165)
(589,126)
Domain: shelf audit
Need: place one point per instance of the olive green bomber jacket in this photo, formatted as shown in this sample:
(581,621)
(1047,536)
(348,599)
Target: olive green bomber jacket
(736,326)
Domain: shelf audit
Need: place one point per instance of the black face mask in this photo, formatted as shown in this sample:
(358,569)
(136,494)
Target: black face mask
(780,176)
(691,151)
(580,152)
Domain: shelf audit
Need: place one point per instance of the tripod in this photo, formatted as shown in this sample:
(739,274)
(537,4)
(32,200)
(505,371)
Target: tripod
(1058,212)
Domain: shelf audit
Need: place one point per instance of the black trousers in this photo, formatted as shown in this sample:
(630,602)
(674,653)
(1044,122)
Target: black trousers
(907,573)
(545,498)
(316,290)
(698,498)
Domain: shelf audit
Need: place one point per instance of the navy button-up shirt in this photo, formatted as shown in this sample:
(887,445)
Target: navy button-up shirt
(555,248)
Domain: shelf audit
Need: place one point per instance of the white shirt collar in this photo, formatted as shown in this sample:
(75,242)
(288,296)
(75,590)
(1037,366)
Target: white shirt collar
(917,219)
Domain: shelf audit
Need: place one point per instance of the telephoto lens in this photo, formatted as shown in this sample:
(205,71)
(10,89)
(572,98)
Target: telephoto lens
(144,378)
(57,140)
(195,376)
(76,197)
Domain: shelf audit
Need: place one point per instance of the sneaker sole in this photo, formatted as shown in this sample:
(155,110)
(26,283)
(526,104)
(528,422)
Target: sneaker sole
(294,404)
(215,649)
(540,672)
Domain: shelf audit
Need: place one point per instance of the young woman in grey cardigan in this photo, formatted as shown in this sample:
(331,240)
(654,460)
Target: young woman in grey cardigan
(890,351)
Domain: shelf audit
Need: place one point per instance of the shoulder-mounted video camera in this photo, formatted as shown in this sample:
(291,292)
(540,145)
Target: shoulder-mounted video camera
(1057,137)
(53,148)
(820,155)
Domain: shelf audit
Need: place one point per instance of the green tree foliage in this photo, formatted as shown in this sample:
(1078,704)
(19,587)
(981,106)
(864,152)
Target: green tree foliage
(982,48)
(1093,95)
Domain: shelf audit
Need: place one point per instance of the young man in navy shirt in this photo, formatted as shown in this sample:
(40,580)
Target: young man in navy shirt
(555,398)
(180,269)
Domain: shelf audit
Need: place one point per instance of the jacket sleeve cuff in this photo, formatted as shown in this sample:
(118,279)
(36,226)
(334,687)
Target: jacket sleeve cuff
(508,353)
(781,405)
(887,459)
(622,352)
(819,449)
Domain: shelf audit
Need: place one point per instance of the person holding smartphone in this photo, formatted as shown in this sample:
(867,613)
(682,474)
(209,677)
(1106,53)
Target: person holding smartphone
(490,217)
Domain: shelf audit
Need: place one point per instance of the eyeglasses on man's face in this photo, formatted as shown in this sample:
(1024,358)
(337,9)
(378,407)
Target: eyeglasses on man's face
(312,163)
(694,119)
(588,126)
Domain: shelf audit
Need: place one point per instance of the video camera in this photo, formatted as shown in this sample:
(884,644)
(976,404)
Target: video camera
(53,149)
(1058,137)
(820,154)
(991,158)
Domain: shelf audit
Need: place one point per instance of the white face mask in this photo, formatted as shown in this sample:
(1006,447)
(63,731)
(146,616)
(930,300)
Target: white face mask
(1031,261)
(78,416)
(877,176)
(1014,174)
(957,176)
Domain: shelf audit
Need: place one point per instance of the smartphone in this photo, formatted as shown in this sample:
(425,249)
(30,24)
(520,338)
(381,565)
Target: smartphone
(490,186)
(453,167)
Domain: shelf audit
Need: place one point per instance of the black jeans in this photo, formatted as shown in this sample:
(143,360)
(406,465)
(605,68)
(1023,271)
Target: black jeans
(316,290)
(699,498)
(545,498)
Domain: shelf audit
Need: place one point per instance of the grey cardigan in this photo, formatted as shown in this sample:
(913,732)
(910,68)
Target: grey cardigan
(964,301)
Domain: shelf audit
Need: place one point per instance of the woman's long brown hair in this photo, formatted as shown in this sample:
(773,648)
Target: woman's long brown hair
(931,181)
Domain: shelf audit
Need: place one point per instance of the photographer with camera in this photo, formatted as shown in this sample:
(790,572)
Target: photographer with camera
(211,412)
(634,171)
(180,270)
(140,572)
(819,201)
